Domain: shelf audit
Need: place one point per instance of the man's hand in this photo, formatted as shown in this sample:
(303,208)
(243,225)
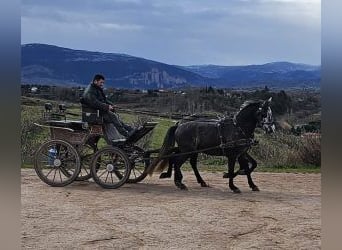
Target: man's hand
(112,108)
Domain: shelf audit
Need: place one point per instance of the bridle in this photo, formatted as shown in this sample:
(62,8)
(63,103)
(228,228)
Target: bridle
(267,123)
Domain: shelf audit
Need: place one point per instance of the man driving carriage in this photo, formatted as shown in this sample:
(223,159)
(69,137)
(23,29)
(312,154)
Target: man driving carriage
(94,97)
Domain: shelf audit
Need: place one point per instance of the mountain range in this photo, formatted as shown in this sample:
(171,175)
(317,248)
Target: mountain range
(49,64)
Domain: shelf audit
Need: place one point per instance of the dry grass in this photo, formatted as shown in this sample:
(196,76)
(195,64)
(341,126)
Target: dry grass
(282,149)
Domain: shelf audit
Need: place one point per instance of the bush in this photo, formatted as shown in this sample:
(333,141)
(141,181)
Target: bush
(281,149)
(31,135)
(310,150)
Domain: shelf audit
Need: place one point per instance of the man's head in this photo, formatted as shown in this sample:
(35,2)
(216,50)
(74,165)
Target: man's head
(99,80)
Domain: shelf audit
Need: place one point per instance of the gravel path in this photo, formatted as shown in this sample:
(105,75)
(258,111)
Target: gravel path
(154,214)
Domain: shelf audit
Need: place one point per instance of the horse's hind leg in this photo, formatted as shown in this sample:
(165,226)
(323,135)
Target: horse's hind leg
(167,174)
(193,162)
(178,162)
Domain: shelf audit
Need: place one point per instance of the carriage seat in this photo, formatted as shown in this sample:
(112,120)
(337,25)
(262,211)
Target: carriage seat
(91,116)
(75,125)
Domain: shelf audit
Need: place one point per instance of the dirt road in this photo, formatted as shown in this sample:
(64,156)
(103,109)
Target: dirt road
(285,214)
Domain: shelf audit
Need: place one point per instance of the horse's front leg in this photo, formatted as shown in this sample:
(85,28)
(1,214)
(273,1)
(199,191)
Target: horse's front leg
(249,169)
(193,162)
(241,170)
(232,175)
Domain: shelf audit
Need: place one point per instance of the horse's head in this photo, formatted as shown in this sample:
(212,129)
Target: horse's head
(254,114)
(264,117)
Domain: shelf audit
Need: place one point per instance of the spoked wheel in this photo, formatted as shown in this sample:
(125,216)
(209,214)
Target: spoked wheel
(86,153)
(57,163)
(139,163)
(110,167)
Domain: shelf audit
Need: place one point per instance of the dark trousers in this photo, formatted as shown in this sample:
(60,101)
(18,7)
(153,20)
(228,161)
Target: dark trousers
(111,129)
(111,133)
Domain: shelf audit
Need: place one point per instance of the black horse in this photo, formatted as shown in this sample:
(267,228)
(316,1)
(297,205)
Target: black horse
(246,161)
(230,137)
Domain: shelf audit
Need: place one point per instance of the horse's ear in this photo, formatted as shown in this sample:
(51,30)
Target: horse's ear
(267,102)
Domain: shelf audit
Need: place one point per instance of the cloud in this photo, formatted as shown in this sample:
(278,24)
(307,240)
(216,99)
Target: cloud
(116,26)
(181,31)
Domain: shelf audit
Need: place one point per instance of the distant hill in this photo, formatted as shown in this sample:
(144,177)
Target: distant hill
(48,64)
(277,74)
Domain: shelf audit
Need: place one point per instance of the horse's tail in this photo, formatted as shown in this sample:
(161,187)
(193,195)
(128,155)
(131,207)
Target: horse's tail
(167,148)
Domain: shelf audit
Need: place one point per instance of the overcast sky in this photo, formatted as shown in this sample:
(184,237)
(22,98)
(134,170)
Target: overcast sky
(182,32)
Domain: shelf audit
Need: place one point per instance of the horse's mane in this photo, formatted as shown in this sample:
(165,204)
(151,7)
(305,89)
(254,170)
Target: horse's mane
(227,117)
(249,103)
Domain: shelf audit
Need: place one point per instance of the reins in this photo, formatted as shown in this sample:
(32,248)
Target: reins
(233,144)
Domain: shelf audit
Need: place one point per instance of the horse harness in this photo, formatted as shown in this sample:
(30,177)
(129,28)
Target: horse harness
(245,142)
(232,144)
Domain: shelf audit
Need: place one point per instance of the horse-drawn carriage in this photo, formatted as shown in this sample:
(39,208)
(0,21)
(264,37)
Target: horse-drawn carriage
(72,152)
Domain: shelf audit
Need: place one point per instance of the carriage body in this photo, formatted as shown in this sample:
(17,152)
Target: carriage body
(74,132)
(71,153)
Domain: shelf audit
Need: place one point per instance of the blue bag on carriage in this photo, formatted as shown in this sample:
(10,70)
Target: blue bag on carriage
(52,153)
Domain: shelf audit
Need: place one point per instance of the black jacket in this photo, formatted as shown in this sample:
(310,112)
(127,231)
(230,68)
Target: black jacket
(94,97)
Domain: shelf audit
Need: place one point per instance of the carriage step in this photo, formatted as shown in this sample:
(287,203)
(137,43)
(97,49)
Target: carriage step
(118,140)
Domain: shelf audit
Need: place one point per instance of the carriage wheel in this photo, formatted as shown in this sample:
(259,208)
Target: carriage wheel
(86,155)
(139,163)
(57,163)
(110,167)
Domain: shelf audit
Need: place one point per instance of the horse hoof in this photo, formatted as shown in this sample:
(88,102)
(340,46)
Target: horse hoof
(255,188)
(225,175)
(236,190)
(203,184)
(164,175)
(181,186)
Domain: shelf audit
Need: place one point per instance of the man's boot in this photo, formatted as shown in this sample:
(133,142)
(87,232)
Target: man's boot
(123,131)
